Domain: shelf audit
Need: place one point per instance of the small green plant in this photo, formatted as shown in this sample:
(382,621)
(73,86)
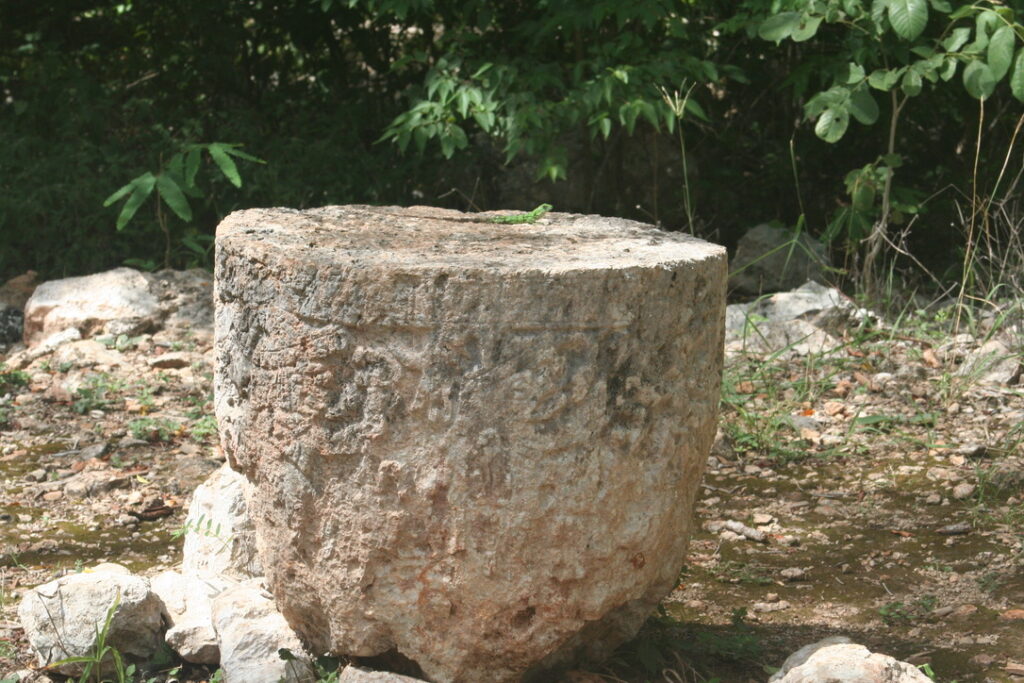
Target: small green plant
(94,392)
(324,669)
(121,342)
(153,429)
(6,408)
(202,526)
(12,379)
(174,183)
(102,654)
(896,612)
(204,428)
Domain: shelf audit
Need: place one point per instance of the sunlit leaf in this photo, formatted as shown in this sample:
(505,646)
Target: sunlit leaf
(1017,79)
(979,80)
(908,17)
(832,124)
(1000,51)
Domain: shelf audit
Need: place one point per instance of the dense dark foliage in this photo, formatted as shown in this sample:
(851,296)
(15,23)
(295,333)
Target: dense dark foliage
(487,104)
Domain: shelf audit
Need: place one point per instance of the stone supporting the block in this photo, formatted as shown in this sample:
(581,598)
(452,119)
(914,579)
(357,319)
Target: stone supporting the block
(476,445)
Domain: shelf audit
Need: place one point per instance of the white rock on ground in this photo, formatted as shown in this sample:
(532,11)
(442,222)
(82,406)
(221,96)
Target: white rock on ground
(251,631)
(188,601)
(992,363)
(769,260)
(219,536)
(477,444)
(837,660)
(358,674)
(60,618)
(117,301)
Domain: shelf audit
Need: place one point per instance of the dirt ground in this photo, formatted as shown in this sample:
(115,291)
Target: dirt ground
(872,491)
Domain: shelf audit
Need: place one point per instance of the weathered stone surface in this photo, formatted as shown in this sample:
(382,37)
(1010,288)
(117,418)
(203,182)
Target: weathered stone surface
(477,444)
(187,601)
(219,536)
(834,661)
(769,259)
(117,301)
(251,631)
(61,617)
(358,674)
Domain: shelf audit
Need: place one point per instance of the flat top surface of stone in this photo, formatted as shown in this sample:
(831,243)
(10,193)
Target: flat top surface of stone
(427,237)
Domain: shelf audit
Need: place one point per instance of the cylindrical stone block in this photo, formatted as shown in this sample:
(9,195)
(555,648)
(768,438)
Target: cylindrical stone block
(477,445)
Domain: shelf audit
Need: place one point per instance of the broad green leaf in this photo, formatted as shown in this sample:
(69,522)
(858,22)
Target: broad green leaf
(863,106)
(985,24)
(911,85)
(142,188)
(941,6)
(955,40)
(948,69)
(908,17)
(832,124)
(979,80)
(173,196)
(806,30)
(780,26)
(1000,51)
(854,73)
(192,166)
(225,163)
(884,79)
(605,125)
(1017,79)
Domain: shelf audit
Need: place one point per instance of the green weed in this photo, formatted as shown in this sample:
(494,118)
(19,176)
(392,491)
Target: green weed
(204,428)
(153,429)
(94,394)
(12,379)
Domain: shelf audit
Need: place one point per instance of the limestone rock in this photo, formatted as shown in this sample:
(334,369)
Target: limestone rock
(22,359)
(219,533)
(477,444)
(60,617)
(358,674)
(187,601)
(769,259)
(251,632)
(186,297)
(117,302)
(992,363)
(837,660)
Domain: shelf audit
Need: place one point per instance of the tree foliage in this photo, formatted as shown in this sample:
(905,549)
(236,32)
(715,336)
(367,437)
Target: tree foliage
(846,112)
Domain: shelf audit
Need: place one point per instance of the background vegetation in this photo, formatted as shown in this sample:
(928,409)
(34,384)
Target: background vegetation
(853,119)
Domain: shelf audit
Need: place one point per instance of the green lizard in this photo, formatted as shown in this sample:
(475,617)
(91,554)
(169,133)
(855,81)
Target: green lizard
(531,217)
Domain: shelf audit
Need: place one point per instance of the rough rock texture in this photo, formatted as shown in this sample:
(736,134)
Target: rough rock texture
(476,444)
(768,260)
(358,674)
(845,662)
(117,301)
(251,632)
(187,601)
(220,535)
(60,617)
